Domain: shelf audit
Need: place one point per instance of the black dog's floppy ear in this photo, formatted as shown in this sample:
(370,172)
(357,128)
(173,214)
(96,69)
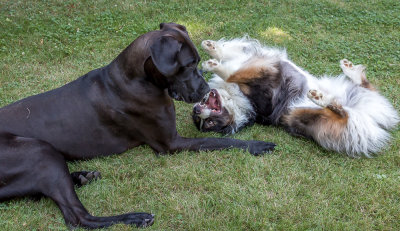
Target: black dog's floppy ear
(164,52)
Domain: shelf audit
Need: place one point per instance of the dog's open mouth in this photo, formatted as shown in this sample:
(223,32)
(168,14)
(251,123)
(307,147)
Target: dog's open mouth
(212,101)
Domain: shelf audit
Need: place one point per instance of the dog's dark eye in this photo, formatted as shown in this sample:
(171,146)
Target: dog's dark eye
(211,122)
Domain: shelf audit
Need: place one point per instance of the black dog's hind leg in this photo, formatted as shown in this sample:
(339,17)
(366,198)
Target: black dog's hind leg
(84,177)
(31,167)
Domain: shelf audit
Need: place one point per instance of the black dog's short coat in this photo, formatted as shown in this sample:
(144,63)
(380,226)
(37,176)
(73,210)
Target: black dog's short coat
(107,111)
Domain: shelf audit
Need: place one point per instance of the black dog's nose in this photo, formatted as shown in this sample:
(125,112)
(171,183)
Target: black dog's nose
(197,109)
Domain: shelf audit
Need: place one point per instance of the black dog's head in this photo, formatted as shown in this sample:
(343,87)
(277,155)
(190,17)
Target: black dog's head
(175,59)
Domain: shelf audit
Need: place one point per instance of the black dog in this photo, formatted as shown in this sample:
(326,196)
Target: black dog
(107,111)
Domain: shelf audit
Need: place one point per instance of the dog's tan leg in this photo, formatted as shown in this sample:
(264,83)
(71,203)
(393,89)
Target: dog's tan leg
(356,73)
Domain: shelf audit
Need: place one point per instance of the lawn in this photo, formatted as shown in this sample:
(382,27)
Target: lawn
(46,44)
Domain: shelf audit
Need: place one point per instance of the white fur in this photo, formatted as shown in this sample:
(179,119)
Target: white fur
(353,72)
(370,114)
(233,100)
(230,55)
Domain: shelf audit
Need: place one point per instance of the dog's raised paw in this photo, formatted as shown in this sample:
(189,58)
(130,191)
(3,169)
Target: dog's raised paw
(318,98)
(354,72)
(210,65)
(344,63)
(208,45)
(211,47)
(314,94)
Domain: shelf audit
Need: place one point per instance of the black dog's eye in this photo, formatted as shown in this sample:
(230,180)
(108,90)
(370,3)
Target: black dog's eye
(211,122)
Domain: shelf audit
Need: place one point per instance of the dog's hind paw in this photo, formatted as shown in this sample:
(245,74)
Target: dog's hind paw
(84,177)
(318,98)
(210,65)
(354,72)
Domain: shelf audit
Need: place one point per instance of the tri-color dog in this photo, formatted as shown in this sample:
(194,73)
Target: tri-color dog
(255,83)
(107,111)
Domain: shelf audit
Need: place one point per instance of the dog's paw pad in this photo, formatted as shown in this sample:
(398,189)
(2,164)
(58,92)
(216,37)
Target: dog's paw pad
(354,72)
(212,48)
(210,65)
(344,63)
(318,98)
(209,45)
(315,94)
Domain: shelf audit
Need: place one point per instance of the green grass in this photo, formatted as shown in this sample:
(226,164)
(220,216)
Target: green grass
(300,186)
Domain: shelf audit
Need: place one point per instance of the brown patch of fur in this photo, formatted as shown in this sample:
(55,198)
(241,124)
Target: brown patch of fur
(245,75)
(318,124)
(338,109)
(256,68)
(245,88)
(365,83)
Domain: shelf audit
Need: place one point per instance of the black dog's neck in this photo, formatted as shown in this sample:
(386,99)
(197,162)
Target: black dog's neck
(153,75)
(135,62)
(132,58)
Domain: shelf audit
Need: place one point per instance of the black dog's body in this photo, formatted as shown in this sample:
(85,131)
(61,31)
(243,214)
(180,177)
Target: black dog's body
(85,119)
(104,112)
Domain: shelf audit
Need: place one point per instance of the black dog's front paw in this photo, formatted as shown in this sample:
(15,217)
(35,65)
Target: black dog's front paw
(260,147)
(141,220)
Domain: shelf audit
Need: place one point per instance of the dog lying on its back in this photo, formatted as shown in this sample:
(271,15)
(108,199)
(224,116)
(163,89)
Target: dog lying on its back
(253,83)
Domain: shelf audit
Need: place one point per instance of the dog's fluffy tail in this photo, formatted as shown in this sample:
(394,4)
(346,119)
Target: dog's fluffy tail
(371,116)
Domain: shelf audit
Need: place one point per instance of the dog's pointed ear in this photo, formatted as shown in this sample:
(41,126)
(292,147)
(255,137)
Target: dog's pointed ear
(164,52)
